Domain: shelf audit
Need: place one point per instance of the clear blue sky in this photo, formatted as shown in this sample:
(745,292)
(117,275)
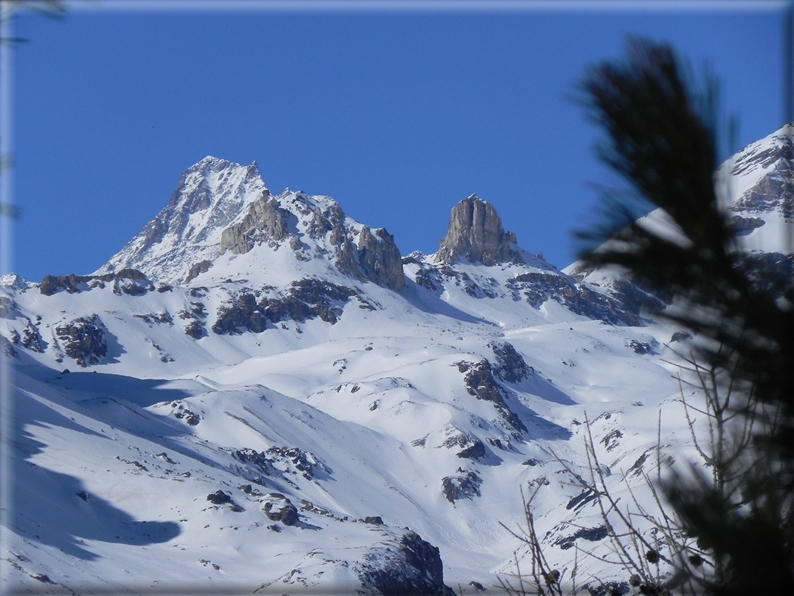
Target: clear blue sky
(397,116)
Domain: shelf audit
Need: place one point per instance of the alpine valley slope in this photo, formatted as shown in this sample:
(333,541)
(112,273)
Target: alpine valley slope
(260,394)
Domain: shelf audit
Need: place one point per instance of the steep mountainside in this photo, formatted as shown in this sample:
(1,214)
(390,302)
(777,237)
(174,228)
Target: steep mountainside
(258,392)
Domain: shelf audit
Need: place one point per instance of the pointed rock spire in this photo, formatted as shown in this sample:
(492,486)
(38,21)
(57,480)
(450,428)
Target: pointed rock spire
(475,233)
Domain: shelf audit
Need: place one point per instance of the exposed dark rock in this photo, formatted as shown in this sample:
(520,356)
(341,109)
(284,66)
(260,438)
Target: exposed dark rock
(71,283)
(436,277)
(219,497)
(537,288)
(510,365)
(195,270)
(249,490)
(464,485)
(302,461)
(643,347)
(474,451)
(126,281)
(31,339)
(279,460)
(375,520)
(316,509)
(742,226)
(83,339)
(258,465)
(277,507)
(773,191)
(155,318)
(195,329)
(265,221)
(480,383)
(305,299)
(590,534)
(182,413)
(132,286)
(242,314)
(132,274)
(475,233)
(379,259)
(473,448)
(413,567)
(680,336)
(322,221)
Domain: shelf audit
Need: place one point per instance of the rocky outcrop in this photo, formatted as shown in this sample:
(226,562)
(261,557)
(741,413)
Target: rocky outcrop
(773,192)
(470,446)
(31,339)
(277,507)
(127,281)
(264,222)
(623,307)
(279,461)
(465,484)
(411,567)
(480,383)
(197,269)
(475,234)
(379,259)
(83,340)
(305,299)
(510,365)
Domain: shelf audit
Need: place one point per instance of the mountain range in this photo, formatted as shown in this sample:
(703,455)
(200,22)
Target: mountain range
(259,394)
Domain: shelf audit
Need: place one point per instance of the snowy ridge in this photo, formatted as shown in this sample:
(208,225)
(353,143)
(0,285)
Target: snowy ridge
(310,411)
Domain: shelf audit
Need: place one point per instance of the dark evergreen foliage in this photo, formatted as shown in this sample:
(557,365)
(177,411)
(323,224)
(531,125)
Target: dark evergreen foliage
(662,142)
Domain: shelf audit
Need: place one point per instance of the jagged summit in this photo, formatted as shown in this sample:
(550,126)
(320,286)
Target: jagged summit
(207,199)
(766,166)
(475,233)
(223,208)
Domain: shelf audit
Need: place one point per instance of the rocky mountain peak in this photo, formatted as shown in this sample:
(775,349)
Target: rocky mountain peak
(209,196)
(768,163)
(475,233)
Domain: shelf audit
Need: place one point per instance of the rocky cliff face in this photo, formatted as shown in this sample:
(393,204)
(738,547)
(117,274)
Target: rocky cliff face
(265,221)
(476,234)
(379,259)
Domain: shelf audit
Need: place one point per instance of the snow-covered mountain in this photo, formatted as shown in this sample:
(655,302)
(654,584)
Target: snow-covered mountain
(258,393)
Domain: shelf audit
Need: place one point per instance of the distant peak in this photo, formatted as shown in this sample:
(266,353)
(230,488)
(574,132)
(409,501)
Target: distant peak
(212,163)
(475,233)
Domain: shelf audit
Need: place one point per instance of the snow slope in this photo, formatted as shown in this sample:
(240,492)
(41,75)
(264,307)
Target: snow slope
(369,422)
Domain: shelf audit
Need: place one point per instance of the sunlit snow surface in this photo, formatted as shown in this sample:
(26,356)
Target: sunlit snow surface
(113,462)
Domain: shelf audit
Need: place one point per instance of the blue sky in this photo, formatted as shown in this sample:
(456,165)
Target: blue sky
(396,115)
